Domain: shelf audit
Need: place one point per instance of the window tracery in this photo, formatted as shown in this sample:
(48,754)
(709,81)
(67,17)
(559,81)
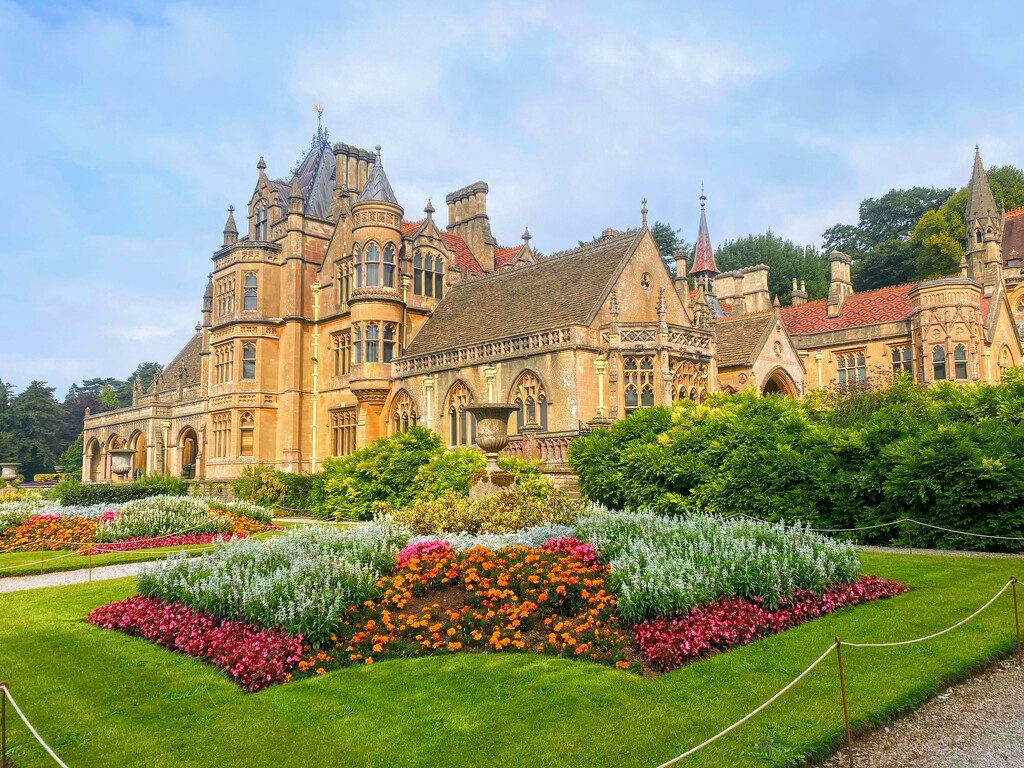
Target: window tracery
(638,383)
(690,381)
(529,395)
(403,413)
(461,423)
(250,285)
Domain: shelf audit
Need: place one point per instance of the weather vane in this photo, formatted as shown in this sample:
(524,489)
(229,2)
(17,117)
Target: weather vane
(319,114)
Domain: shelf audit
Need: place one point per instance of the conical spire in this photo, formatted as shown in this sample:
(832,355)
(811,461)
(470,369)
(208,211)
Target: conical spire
(295,197)
(230,229)
(981,204)
(703,257)
(377,186)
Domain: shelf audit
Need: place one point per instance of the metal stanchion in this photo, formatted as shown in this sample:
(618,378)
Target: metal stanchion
(910,542)
(846,710)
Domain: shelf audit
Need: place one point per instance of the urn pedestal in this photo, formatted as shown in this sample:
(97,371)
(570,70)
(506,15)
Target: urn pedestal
(491,438)
(8,474)
(121,462)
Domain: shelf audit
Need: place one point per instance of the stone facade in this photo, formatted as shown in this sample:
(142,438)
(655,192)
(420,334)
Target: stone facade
(333,320)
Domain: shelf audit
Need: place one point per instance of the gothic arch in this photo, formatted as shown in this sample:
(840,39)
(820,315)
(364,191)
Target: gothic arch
(528,392)
(137,442)
(780,382)
(92,465)
(188,445)
(690,381)
(461,423)
(403,412)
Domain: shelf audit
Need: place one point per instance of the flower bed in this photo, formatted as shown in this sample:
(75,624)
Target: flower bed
(545,600)
(663,566)
(48,532)
(254,658)
(666,644)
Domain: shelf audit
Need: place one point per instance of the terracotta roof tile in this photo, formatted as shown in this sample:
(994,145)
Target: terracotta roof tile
(463,259)
(505,256)
(546,296)
(1013,235)
(738,341)
(883,305)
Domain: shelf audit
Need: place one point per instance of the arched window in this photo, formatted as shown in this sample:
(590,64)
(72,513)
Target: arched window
(417,274)
(357,266)
(528,394)
(246,434)
(960,362)
(389,267)
(249,361)
(462,423)
(1005,360)
(438,276)
(344,284)
(249,285)
(428,275)
(851,368)
(403,414)
(371,261)
(938,364)
(261,214)
(638,383)
(690,381)
(357,345)
(372,343)
(390,330)
(977,236)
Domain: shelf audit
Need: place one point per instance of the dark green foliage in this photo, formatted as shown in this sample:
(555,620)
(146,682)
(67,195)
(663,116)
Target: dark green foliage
(30,428)
(384,471)
(668,242)
(85,495)
(449,470)
(784,259)
(947,456)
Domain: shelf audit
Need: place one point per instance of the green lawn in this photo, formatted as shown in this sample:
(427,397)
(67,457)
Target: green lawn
(28,563)
(104,699)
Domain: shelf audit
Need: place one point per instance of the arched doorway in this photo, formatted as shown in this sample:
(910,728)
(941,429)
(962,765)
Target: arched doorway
(137,443)
(188,442)
(92,466)
(779,383)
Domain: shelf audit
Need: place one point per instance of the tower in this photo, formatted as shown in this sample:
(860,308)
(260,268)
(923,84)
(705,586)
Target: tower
(983,223)
(704,267)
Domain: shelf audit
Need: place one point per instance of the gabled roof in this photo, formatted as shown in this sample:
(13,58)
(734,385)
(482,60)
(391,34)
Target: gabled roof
(1013,235)
(740,340)
(884,305)
(188,357)
(505,256)
(463,257)
(551,294)
(315,173)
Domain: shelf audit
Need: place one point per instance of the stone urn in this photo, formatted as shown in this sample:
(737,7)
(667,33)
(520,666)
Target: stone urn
(121,461)
(9,472)
(492,429)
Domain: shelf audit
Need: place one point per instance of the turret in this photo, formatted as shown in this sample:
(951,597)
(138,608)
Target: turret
(704,268)
(983,224)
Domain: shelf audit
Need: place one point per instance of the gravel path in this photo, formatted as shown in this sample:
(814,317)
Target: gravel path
(61,578)
(975,724)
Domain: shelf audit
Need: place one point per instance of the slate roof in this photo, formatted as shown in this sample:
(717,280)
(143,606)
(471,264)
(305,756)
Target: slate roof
(189,357)
(703,255)
(377,186)
(883,305)
(1013,236)
(550,294)
(739,341)
(980,202)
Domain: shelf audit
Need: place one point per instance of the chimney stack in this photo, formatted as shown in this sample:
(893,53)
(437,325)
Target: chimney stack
(840,284)
(467,215)
(799,294)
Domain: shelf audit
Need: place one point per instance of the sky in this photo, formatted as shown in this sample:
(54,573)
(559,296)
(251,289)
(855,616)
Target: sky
(129,127)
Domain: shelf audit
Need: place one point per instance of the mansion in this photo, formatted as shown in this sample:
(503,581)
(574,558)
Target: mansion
(333,320)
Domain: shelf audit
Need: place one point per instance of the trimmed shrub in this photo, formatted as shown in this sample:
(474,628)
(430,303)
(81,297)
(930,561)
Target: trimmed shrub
(259,484)
(87,495)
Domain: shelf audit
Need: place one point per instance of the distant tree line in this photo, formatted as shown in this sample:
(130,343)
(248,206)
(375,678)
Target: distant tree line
(40,431)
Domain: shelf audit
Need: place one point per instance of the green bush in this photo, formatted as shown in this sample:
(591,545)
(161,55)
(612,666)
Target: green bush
(948,455)
(382,472)
(73,493)
(501,513)
(259,484)
(448,471)
(297,488)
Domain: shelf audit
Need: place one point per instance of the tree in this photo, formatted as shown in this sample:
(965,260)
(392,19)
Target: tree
(785,260)
(33,421)
(108,398)
(888,263)
(668,242)
(145,372)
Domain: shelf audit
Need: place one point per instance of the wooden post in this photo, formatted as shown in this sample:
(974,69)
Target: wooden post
(41,561)
(910,543)
(1016,617)
(3,726)
(846,710)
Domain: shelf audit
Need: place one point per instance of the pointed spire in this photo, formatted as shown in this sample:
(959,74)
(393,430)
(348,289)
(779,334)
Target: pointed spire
(377,186)
(643,213)
(980,201)
(704,266)
(230,229)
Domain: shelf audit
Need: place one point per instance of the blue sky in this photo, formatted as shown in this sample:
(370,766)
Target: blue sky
(129,127)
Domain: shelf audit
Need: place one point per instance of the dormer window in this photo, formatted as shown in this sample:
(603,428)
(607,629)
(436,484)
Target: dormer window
(428,275)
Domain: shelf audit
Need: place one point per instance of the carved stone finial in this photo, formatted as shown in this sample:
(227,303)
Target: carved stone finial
(429,210)
(262,164)
(661,301)
(643,212)
(526,235)
(613,305)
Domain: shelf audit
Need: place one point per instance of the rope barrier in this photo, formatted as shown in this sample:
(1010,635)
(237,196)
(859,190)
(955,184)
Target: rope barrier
(898,521)
(744,719)
(33,731)
(35,564)
(1006,586)
(964,533)
(835,647)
